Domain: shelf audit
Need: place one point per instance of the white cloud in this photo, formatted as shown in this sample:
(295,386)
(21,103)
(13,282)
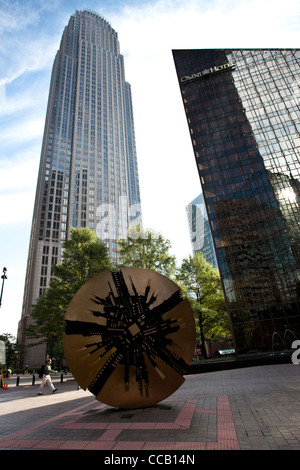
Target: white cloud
(14,18)
(16,208)
(22,132)
(11,105)
(18,178)
(21,56)
(25,45)
(17,15)
(19,173)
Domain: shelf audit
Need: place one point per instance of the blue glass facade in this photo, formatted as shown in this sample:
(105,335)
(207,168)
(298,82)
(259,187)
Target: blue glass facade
(242,108)
(200,233)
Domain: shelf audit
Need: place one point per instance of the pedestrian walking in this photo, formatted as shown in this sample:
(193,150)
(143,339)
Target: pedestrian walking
(47,378)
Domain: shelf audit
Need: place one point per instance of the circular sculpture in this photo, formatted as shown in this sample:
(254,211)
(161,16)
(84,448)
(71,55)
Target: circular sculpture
(129,337)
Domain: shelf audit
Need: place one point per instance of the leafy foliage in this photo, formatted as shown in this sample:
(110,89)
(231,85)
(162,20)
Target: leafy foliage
(201,284)
(147,249)
(84,255)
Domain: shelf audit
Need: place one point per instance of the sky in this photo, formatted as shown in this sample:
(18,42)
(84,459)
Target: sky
(30,33)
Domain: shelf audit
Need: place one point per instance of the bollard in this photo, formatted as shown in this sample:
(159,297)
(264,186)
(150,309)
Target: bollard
(33,379)
(61,378)
(18,380)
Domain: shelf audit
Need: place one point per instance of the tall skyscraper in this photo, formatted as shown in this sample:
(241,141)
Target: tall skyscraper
(88,175)
(242,108)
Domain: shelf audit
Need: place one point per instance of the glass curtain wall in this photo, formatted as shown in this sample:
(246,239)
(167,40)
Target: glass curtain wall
(244,129)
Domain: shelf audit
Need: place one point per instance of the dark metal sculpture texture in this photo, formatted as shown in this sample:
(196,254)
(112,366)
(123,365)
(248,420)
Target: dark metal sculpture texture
(129,337)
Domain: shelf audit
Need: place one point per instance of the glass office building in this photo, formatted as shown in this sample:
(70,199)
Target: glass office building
(200,233)
(242,108)
(88,175)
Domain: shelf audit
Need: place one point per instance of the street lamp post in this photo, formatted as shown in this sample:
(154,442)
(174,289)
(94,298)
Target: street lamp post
(3,277)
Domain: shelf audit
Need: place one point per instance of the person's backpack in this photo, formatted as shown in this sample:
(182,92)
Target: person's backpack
(41,373)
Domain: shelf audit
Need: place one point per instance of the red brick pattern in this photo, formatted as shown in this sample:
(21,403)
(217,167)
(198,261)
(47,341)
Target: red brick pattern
(118,435)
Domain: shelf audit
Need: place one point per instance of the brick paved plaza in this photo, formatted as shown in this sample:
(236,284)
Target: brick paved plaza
(251,408)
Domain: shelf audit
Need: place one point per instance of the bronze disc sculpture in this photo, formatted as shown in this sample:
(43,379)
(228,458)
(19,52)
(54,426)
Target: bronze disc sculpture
(129,337)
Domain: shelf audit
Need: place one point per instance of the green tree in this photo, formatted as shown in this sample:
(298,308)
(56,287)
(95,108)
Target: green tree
(147,249)
(201,284)
(84,255)
(10,347)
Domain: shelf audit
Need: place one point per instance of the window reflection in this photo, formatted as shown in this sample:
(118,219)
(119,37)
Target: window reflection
(244,125)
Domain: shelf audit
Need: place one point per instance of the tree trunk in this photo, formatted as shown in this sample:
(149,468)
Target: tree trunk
(202,346)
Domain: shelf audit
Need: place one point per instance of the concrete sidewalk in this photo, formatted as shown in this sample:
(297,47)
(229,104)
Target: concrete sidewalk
(245,409)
